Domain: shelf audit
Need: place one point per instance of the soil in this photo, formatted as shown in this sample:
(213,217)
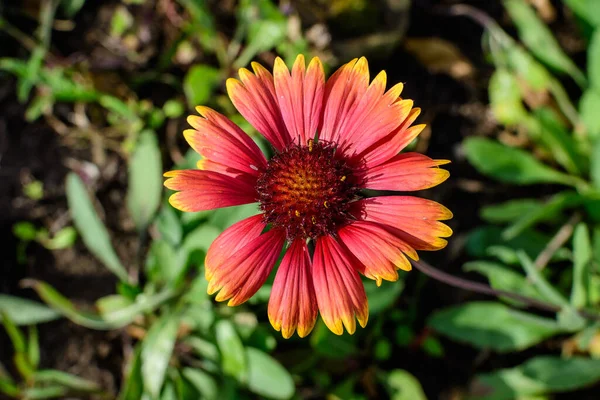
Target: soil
(453,109)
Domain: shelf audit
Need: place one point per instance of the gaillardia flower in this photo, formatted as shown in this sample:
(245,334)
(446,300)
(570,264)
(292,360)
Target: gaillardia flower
(332,140)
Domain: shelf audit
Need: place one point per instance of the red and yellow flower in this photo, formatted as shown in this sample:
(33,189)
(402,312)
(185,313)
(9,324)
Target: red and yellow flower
(332,139)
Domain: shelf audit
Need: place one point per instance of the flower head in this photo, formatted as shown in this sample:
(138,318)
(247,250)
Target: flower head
(332,140)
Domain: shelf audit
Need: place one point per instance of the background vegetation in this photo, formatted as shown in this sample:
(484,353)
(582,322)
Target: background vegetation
(102,291)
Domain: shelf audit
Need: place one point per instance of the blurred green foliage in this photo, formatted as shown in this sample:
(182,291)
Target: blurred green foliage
(186,346)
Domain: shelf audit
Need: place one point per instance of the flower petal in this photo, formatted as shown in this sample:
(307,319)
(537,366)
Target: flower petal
(404,172)
(416,220)
(375,116)
(292,305)
(224,146)
(240,276)
(342,91)
(230,241)
(207,190)
(394,143)
(255,98)
(300,96)
(338,288)
(377,249)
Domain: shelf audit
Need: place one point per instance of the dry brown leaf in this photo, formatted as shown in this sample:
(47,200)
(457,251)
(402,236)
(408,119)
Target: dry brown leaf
(440,56)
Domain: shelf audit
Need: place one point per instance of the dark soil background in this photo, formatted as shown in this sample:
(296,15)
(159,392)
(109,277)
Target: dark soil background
(452,108)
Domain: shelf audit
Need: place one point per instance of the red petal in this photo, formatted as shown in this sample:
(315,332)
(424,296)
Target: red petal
(377,249)
(394,143)
(405,172)
(292,305)
(300,96)
(230,241)
(224,146)
(416,219)
(342,92)
(338,288)
(240,276)
(207,190)
(255,98)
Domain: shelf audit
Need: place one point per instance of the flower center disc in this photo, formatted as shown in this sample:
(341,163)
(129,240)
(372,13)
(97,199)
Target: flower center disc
(306,190)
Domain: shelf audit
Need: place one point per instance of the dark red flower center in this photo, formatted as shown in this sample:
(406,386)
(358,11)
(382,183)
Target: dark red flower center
(307,190)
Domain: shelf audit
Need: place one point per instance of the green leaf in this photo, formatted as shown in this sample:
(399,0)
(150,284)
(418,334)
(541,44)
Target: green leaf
(199,84)
(169,226)
(63,239)
(48,392)
(162,264)
(505,98)
(90,227)
(133,385)
(588,110)
(71,7)
(233,356)
(539,281)
(503,278)
(594,60)
(330,345)
(540,41)
(157,349)
(65,379)
(9,388)
(404,386)
(508,211)
(64,306)
(203,348)
(225,217)
(559,142)
(16,336)
(267,377)
(489,241)
(145,181)
(557,203)
(582,258)
(382,297)
(204,383)
(26,312)
(33,347)
(494,326)
(588,10)
(538,376)
(24,231)
(595,163)
(263,35)
(510,165)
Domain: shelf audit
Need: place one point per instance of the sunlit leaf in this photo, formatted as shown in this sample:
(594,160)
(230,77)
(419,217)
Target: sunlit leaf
(26,312)
(132,387)
(233,356)
(70,381)
(267,377)
(204,383)
(540,40)
(509,210)
(157,348)
(537,376)
(33,347)
(199,84)
(505,98)
(503,278)
(508,164)
(557,203)
(90,227)
(494,326)
(263,35)
(145,181)
(404,386)
(582,258)
(589,104)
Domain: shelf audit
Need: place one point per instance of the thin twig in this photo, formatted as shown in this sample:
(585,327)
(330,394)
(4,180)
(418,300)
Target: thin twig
(559,239)
(477,287)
